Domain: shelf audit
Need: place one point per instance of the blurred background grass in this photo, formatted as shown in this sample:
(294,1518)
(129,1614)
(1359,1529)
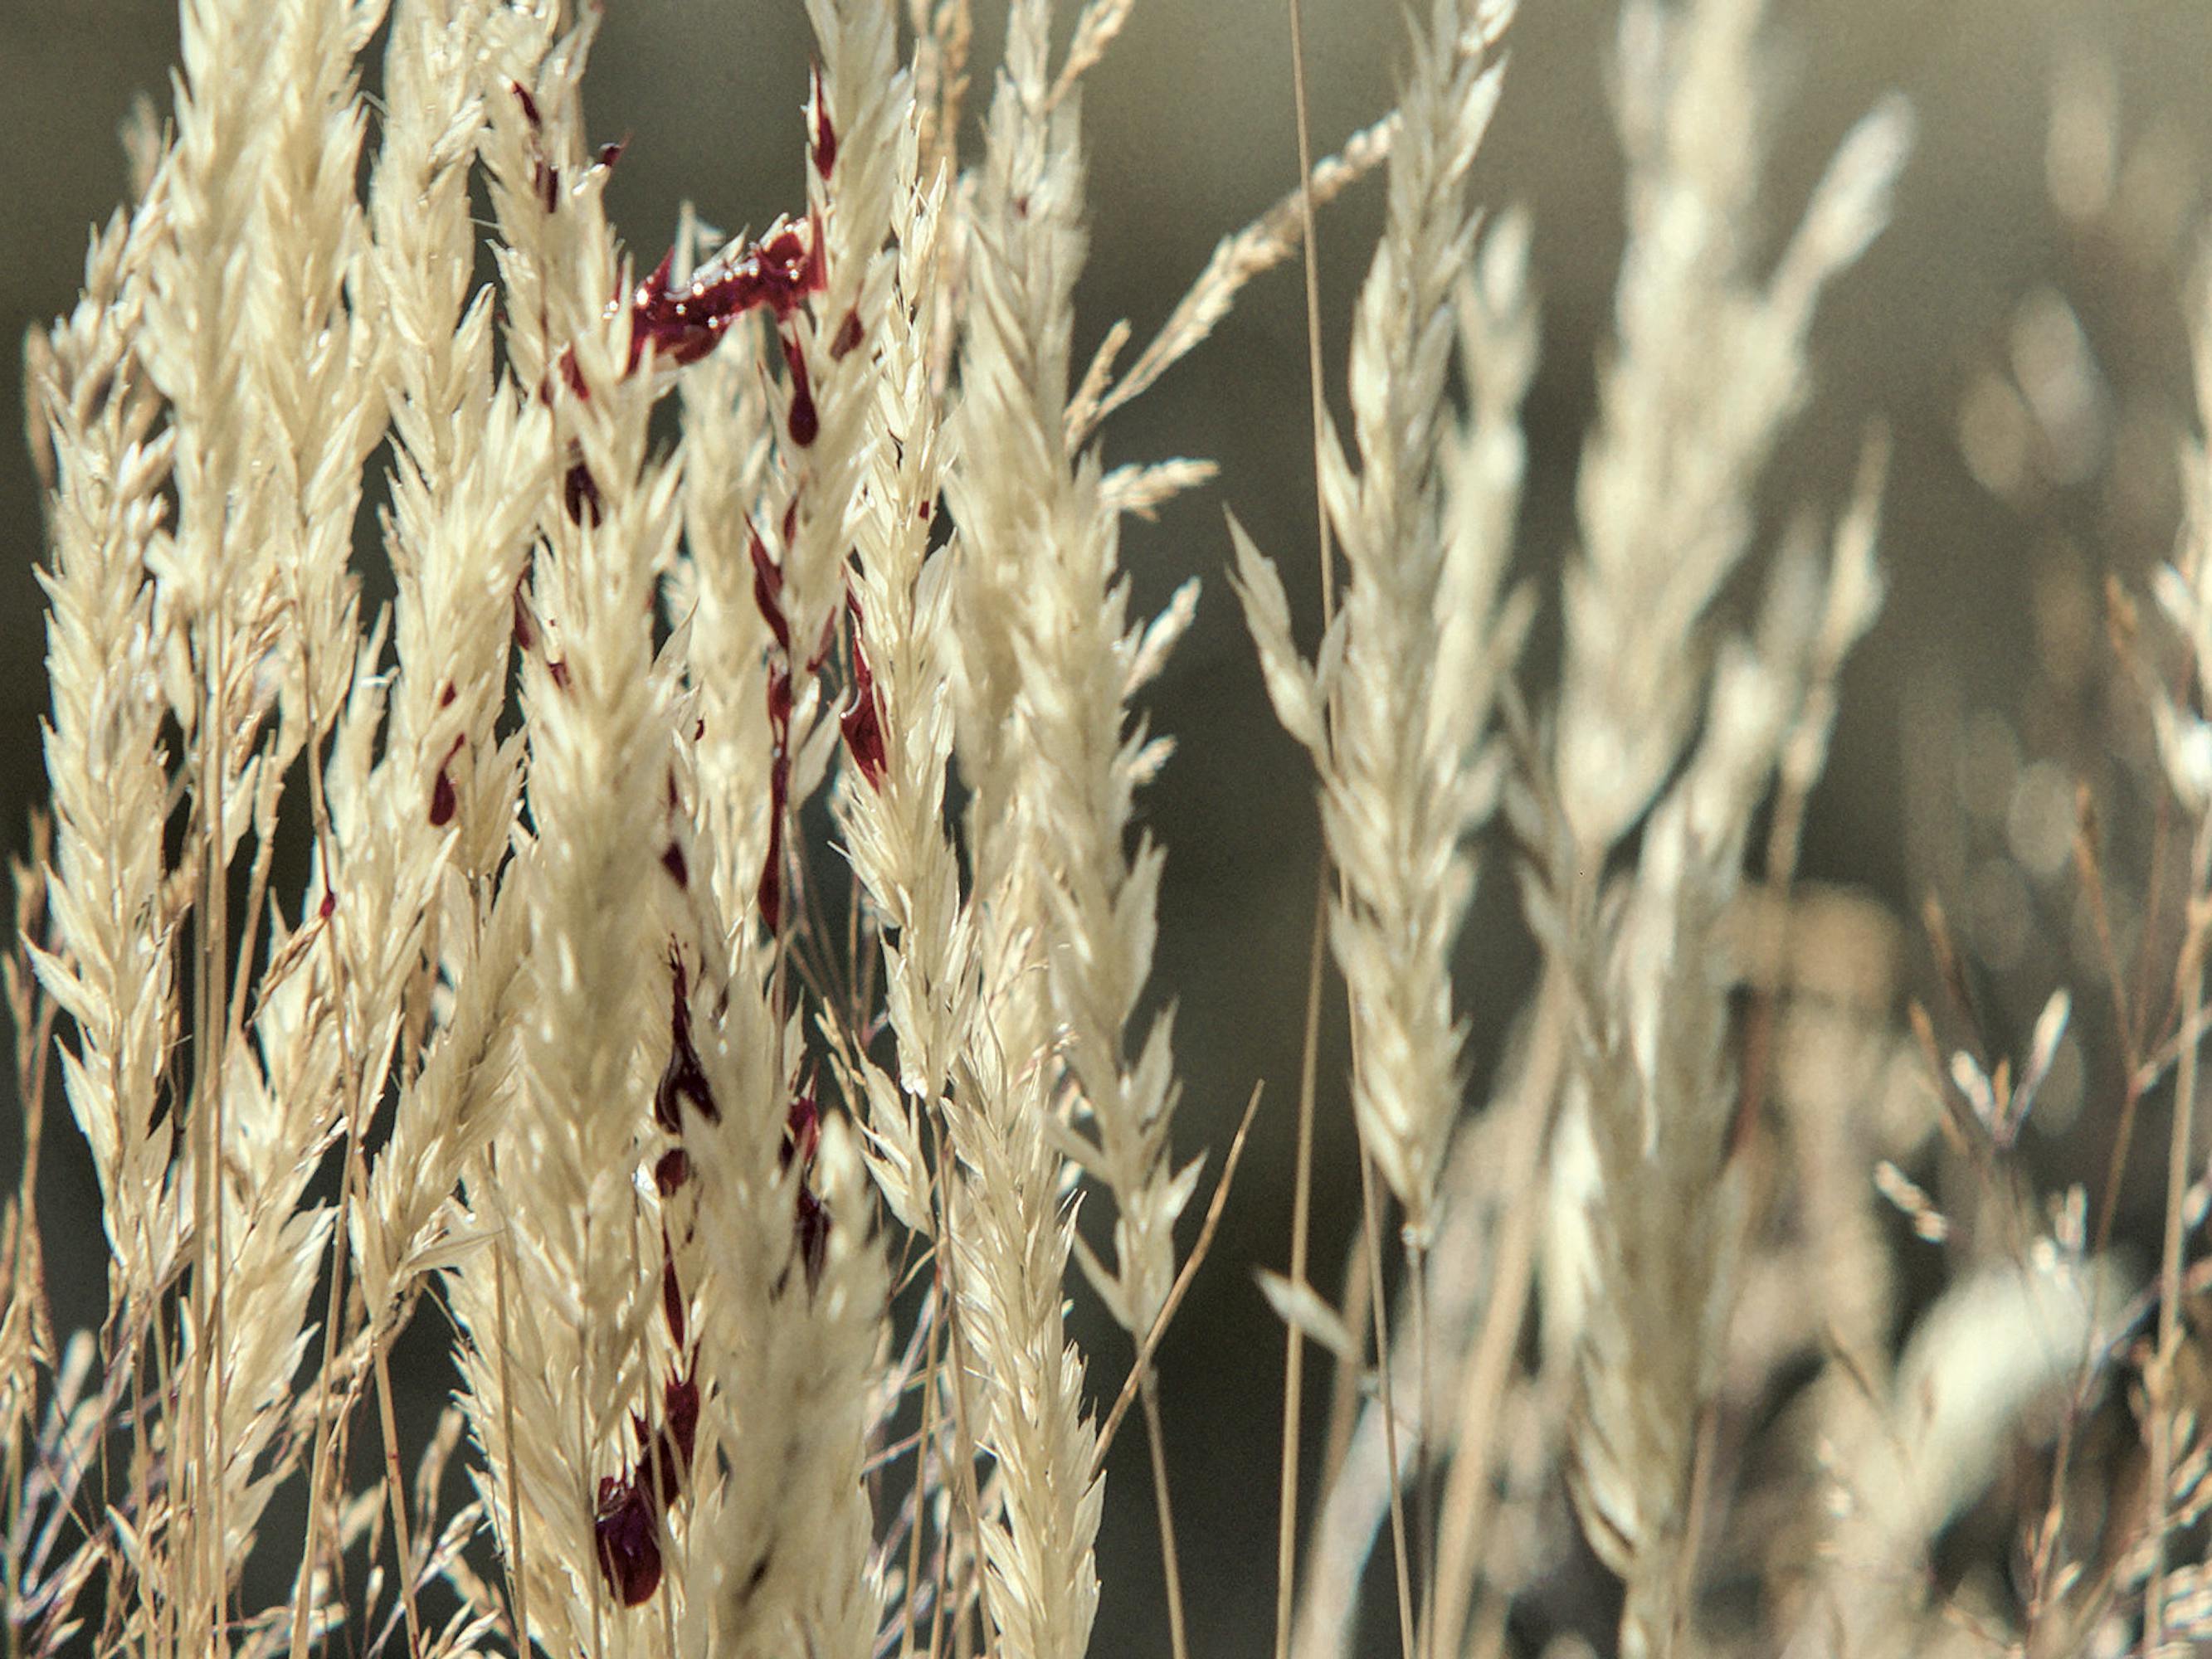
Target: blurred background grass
(1967,715)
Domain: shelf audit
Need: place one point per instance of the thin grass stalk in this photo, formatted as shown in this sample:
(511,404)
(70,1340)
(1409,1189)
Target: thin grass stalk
(1286,1520)
(2163,1404)
(1302,1177)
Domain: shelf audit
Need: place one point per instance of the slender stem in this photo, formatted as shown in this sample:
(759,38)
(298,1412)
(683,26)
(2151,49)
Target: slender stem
(1177,1292)
(33,1018)
(2169,1277)
(963,1408)
(1294,1348)
(1370,1219)
(1424,1485)
(1701,1454)
(353,1189)
(1156,1440)
(519,1577)
(1315,386)
(211,1027)
(1483,1380)
(397,1490)
(1301,1194)
(925,1443)
(2090,875)
(1344,1383)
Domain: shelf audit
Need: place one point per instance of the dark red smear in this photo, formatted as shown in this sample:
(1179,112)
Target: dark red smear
(862,723)
(798,263)
(627,1533)
(684,323)
(770,896)
(848,335)
(825,134)
(810,1221)
(672,861)
(667,1481)
(671,1293)
(810,1236)
(559,671)
(802,1131)
(446,696)
(670,1171)
(573,375)
(680,1400)
(770,893)
(328,908)
(805,420)
(525,637)
(545,179)
(529,105)
(682,1078)
(779,705)
(768,591)
(442,800)
(626,1529)
(579,493)
(790,520)
(610,153)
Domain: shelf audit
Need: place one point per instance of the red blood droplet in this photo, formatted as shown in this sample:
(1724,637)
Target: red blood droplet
(573,375)
(670,1171)
(825,134)
(442,800)
(802,1131)
(683,1078)
(779,706)
(680,1399)
(628,1535)
(768,591)
(805,419)
(671,1293)
(810,1236)
(769,895)
(862,722)
(529,105)
(683,322)
(579,493)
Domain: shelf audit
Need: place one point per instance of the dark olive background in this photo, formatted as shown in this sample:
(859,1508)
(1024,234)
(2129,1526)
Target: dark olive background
(1190,132)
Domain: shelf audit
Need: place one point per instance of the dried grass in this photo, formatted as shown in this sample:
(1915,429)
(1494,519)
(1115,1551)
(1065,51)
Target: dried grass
(751,1244)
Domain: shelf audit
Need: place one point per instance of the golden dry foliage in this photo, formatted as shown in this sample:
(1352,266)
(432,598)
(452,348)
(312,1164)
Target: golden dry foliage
(739,1158)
